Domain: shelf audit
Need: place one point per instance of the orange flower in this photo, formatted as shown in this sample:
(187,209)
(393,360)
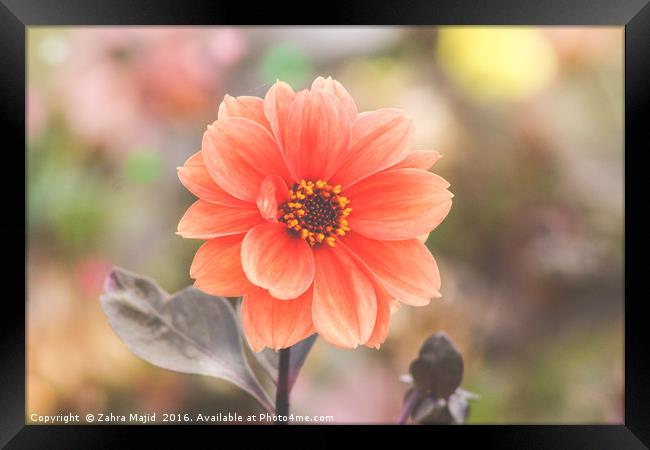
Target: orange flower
(315,214)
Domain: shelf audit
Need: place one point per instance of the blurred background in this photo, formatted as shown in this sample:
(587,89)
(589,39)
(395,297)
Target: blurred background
(530,123)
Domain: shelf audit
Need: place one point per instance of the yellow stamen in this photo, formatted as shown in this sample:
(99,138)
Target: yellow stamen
(316,212)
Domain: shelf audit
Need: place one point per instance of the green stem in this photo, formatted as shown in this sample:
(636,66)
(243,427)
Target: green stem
(282,393)
(408,406)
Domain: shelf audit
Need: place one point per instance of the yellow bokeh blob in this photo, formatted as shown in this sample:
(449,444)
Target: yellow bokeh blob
(504,63)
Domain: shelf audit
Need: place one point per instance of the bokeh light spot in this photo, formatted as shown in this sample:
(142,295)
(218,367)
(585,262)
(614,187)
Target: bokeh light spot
(287,63)
(54,49)
(143,166)
(504,63)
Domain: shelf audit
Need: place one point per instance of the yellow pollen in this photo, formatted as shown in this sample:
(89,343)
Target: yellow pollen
(316,212)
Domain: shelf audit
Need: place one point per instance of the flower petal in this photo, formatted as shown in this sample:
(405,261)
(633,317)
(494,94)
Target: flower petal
(217,267)
(195,160)
(379,140)
(406,269)
(248,107)
(205,220)
(398,204)
(345,303)
(380,331)
(197,180)
(239,154)
(277,261)
(277,104)
(419,159)
(273,191)
(316,143)
(274,323)
(337,89)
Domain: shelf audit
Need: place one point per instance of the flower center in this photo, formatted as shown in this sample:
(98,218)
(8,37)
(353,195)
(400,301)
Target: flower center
(316,212)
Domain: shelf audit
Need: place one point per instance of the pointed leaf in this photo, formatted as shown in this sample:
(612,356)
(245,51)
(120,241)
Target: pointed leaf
(298,356)
(189,332)
(269,359)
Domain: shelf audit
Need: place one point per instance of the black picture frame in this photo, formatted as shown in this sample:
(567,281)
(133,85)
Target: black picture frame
(17,15)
